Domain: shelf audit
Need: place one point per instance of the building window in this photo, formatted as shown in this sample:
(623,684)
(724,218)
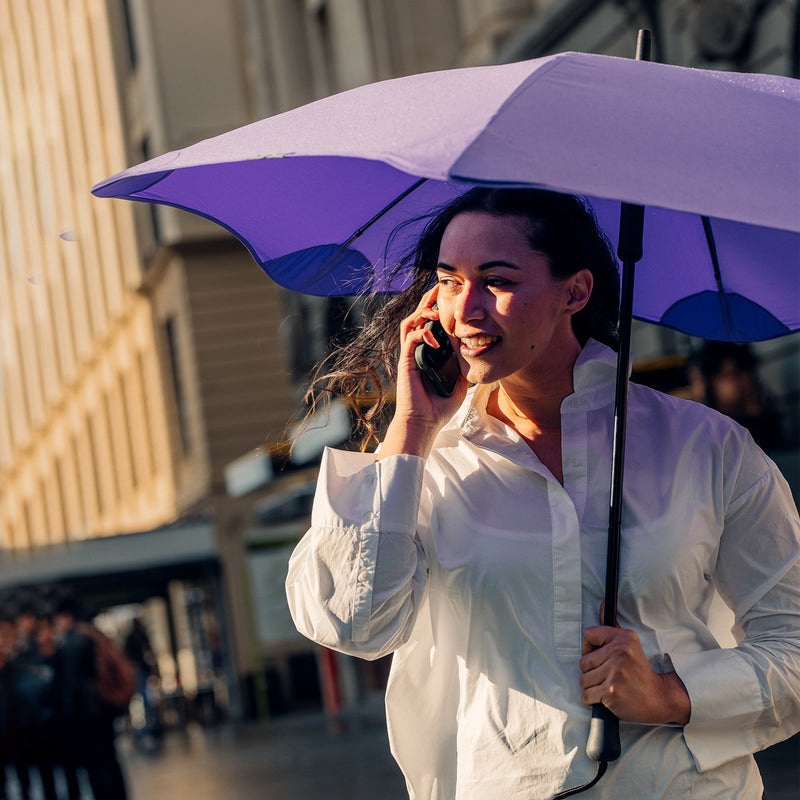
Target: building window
(152,208)
(61,489)
(178,385)
(320,47)
(130,35)
(107,424)
(94,448)
(145,441)
(312,326)
(80,488)
(127,430)
(26,540)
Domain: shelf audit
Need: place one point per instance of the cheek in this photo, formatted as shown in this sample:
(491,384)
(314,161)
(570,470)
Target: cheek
(446,316)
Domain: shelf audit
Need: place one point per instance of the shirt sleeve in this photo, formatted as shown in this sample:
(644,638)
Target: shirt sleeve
(747,697)
(356,578)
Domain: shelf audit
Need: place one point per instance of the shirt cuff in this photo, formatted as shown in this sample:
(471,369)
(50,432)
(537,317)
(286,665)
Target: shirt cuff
(355,490)
(726,702)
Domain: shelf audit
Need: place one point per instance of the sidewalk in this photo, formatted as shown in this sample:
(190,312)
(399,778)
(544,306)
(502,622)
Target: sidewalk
(305,756)
(293,758)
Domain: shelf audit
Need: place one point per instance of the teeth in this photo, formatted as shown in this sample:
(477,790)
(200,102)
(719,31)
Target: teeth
(474,342)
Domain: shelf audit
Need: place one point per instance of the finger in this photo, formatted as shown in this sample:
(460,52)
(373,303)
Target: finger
(419,317)
(596,636)
(592,696)
(429,298)
(592,660)
(593,677)
(416,321)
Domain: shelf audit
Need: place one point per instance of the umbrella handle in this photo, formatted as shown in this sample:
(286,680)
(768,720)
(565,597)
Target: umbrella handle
(603,743)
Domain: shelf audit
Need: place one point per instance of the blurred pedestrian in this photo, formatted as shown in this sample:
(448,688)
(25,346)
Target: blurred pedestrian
(46,751)
(732,387)
(140,653)
(52,736)
(8,639)
(31,680)
(88,718)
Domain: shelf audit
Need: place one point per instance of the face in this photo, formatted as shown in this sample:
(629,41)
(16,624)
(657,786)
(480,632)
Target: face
(8,633)
(45,633)
(732,387)
(498,298)
(26,624)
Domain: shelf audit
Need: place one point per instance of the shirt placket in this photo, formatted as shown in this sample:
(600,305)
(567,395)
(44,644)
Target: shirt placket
(566,574)
(566,505)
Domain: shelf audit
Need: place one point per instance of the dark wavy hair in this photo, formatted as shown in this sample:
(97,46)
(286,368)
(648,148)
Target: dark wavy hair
(563,227)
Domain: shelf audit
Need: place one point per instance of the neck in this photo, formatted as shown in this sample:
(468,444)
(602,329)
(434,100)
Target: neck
(531,415)
(536,402)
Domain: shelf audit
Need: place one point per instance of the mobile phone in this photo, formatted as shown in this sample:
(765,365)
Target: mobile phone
(439,364)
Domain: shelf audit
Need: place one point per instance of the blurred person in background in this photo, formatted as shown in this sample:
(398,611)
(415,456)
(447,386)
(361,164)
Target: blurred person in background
(725,373)
(8,640)
(140,653)
(32,700)
(88,720)
(52,736)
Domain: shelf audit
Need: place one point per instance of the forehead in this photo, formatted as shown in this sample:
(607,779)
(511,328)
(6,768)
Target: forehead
(477,237)
(473,228)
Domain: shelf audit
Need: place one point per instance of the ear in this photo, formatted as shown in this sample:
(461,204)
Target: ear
(579,286)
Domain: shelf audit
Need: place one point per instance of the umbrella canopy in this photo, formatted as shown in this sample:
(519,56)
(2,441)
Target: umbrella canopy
(712,155)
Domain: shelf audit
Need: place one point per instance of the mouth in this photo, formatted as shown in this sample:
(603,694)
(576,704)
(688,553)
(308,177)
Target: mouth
(472,345)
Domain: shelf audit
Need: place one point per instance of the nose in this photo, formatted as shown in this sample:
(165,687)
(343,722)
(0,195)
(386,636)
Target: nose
(469,303)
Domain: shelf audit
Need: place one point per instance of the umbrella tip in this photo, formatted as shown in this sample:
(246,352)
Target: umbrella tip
(643,42)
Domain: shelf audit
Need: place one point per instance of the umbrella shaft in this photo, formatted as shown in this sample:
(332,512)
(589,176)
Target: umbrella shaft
(618,451)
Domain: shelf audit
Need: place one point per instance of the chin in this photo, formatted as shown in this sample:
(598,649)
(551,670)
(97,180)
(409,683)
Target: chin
(481,374)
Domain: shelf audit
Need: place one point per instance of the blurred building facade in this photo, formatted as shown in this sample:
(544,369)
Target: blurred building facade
(141,349)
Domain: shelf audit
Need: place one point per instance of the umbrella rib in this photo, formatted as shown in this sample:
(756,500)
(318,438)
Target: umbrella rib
(384,210)
(712,251)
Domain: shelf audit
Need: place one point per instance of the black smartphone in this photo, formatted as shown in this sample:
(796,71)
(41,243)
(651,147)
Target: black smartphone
(439,364)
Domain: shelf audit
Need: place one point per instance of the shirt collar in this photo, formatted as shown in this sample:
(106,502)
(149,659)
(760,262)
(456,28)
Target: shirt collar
(596,366)
(594,376)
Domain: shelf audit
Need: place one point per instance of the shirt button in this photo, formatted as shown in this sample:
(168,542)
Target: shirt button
(369,478)
(576,403)
(363,576)
(575,462)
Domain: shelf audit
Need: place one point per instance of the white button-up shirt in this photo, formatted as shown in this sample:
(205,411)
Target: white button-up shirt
(480,571)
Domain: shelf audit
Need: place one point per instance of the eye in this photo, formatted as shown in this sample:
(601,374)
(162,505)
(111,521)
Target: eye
(447,283)
(496,282)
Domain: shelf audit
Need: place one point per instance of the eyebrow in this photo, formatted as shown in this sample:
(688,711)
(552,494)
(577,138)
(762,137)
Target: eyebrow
(481,267)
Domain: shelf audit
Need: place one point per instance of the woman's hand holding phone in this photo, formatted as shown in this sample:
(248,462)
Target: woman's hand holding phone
(439,365)
(420,409)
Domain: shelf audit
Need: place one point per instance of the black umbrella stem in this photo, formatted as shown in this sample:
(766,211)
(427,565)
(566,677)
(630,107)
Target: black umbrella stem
(603,744)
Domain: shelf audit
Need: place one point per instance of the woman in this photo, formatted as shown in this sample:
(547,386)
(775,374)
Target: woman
(472,545)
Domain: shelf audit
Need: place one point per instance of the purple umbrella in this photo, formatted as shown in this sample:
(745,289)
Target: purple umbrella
(711,156)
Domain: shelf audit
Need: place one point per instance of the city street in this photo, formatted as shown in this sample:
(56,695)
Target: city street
(293,758)
(303,757)
(306,757)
